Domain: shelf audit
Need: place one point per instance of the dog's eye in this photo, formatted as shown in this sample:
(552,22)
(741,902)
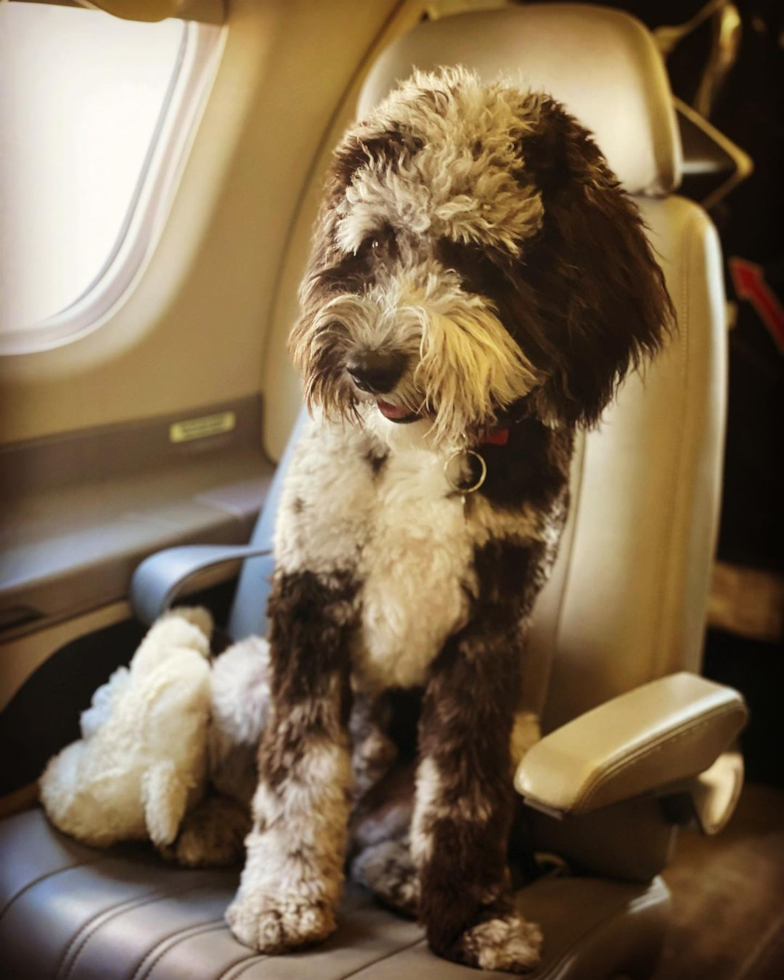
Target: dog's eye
(380,242)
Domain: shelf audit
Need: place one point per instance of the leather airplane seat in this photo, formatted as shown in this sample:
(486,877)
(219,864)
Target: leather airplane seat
(618,630)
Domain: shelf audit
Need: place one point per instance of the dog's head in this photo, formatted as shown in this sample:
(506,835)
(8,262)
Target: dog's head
(474,258)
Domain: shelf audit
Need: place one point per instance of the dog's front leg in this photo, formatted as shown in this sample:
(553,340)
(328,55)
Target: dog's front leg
(464,806)
(295,852)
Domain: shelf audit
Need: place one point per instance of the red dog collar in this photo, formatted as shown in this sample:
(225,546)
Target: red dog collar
(495,437)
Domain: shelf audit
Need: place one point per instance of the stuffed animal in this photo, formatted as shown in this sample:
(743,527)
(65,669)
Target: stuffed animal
(142,759)
(213,832)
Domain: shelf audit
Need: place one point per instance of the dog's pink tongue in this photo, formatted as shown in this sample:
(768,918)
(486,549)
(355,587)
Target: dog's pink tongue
(391,411)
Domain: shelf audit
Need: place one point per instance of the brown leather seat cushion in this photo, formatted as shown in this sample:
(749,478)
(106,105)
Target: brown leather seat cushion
(74,913)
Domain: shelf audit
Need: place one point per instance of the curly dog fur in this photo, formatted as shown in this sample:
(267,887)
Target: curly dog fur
(479,286)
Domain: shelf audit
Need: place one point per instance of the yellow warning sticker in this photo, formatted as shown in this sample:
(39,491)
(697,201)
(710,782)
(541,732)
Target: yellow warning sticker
(202,428)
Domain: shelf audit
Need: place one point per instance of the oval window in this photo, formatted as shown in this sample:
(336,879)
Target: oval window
(93,115)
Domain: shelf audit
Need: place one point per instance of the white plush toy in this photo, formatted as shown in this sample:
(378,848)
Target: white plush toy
(142,759)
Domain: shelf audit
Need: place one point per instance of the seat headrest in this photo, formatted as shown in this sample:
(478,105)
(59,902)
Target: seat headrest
(601,64)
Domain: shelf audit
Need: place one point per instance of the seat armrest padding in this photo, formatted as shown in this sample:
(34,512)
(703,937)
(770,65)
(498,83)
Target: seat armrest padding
(637,743)
(158,579)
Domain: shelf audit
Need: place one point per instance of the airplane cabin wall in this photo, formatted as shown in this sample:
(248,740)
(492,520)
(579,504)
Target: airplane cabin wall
(194,330)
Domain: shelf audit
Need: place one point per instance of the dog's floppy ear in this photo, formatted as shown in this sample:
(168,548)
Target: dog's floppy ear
(602,298)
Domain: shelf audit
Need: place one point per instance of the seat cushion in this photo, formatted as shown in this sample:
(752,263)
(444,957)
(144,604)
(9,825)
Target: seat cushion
(73,913)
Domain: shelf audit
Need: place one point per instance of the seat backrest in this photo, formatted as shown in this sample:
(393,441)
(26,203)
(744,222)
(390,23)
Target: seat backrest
(627,599)
(249,609)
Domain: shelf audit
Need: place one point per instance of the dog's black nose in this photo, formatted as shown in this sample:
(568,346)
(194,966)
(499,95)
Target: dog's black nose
(375,371)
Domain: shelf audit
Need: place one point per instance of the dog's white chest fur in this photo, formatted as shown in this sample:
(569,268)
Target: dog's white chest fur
(398,532)
(414,569)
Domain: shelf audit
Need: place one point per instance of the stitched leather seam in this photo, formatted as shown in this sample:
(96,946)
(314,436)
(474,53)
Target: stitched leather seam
(643,752)
(594,783)
(236,969)
(165,945)
(43,877)
(386,956)
(101,918)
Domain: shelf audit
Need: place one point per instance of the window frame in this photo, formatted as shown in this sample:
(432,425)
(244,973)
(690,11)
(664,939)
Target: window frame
(198,58)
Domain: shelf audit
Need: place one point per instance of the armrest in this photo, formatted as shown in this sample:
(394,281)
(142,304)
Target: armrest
(657,735)
(159,578)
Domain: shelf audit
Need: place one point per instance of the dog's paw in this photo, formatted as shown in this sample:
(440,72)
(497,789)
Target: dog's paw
(507,943)
(221,849)
(278,924)
(212,835)
(388,871)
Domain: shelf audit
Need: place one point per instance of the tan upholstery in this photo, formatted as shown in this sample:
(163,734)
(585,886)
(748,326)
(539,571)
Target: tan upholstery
(625,606)
(633,599)
(711,797)
(627,600)
(123,914)
(640,742)
(602,64)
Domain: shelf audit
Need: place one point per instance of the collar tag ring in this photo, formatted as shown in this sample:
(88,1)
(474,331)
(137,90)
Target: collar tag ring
(453,484)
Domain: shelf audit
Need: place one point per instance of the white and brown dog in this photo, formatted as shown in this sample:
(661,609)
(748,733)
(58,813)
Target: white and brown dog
(479,285)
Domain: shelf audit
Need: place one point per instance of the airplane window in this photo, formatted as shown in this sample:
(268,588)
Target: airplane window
(92,117)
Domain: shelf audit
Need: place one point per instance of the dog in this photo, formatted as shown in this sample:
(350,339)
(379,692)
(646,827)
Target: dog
(479,286)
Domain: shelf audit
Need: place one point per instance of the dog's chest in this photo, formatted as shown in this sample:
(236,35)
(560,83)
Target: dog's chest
(416,571)
(397,530)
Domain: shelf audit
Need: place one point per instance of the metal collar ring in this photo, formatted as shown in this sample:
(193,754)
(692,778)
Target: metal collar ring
(480,479)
